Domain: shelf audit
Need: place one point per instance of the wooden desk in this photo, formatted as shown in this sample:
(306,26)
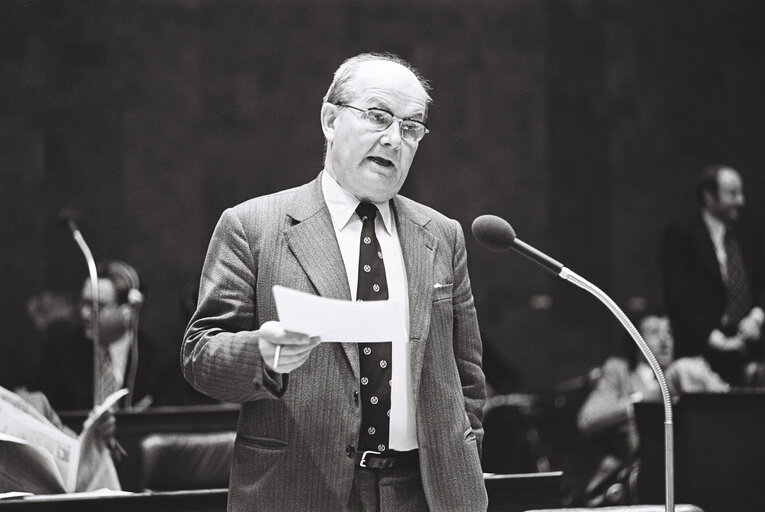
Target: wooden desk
(719,451)
(507,493)
(210,500)
(520,491)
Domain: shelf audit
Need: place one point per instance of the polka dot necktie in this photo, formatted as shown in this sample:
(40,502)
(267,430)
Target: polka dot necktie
(738,297)
(375,358)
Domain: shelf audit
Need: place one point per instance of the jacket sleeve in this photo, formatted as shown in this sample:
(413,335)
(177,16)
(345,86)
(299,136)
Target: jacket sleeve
(220,355)
(468,349)
(608,403)
(691,322)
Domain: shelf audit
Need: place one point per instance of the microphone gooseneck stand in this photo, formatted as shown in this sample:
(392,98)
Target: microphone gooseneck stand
(133,367)
(669,464)
(496,234)
(78,238)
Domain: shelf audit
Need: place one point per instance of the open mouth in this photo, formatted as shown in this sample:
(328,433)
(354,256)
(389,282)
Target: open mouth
(381,161)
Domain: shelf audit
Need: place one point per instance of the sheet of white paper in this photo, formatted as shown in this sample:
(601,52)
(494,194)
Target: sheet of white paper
(339,320)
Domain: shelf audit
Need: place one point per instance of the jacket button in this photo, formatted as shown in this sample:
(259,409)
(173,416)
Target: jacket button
(356,397)
(350,451)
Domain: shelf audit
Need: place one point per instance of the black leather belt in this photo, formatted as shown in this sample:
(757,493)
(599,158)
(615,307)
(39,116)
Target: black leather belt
(388,460)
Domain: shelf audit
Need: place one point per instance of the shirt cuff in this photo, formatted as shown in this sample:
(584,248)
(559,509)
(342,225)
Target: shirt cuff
(717,340)
(757,314)
(274,382)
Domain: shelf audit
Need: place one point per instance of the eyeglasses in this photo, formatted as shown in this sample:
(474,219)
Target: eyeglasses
(378,120)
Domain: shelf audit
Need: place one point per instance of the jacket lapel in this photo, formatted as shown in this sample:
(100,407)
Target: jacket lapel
(418,246)
(312,240)
(706,247)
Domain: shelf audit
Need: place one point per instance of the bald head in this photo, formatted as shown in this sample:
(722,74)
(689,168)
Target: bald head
(347,76)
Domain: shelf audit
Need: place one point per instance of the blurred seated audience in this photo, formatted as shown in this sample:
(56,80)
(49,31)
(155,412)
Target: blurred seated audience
(127,357)
(96,468)
(607,415)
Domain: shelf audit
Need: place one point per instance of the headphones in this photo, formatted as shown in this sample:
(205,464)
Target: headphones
(129,275)
(135,299)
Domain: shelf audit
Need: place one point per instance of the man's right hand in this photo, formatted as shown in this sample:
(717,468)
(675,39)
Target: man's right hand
(295,346)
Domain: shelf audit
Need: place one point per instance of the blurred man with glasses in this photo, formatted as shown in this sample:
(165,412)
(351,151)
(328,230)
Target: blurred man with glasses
(303,438)
(129,358)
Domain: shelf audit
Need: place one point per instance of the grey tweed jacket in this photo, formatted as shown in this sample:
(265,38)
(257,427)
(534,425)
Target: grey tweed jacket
(294,430)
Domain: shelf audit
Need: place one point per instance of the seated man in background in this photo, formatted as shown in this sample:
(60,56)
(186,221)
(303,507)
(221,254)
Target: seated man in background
(608,411)
(66,370)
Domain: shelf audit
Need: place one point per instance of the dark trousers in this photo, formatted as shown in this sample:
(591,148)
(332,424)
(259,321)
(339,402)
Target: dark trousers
(387,490)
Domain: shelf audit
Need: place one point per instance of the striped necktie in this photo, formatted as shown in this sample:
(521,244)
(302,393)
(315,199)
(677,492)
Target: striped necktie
(107,381)
(737,294)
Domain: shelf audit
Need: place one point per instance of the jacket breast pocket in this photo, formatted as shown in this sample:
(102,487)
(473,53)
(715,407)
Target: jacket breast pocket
(261,443)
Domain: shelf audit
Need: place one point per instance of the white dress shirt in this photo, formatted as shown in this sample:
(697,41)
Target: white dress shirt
(716,229)
(347,224)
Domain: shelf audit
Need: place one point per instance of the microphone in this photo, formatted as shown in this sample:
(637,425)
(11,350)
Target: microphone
(497,234)
(66,216)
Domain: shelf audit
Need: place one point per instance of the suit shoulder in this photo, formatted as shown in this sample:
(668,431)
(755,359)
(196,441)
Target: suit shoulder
(267,202)
(423,211)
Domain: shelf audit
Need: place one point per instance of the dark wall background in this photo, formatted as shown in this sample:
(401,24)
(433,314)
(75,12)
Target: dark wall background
(582,122)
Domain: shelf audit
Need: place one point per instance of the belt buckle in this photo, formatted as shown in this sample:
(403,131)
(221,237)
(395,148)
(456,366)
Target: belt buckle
(363,461)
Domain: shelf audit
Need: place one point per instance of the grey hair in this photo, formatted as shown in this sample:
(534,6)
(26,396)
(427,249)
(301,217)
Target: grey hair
(340,91)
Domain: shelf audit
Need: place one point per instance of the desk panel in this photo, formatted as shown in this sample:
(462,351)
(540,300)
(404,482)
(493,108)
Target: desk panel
(210,500)
(133,426)
(719,451)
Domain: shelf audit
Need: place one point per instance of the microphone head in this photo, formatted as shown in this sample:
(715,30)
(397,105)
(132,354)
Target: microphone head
(493,232)
(66,216)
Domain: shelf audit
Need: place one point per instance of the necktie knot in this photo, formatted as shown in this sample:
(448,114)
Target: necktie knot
(366,211)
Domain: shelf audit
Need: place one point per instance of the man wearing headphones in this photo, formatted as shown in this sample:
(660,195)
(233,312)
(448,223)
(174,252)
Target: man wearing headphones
(66,370)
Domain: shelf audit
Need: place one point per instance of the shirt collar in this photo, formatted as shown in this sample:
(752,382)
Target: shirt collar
(715,226)
(342,204)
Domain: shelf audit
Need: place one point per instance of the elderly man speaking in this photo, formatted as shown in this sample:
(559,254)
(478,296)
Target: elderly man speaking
(392,426)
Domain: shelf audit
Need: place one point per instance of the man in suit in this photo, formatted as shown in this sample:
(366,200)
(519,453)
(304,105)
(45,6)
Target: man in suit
(712,271)
(66,369)
(303,442)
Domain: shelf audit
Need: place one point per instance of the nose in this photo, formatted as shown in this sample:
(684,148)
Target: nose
(392,135)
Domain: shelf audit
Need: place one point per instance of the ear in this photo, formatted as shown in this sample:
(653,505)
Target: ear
(709,198)
(328,118)
(126,314)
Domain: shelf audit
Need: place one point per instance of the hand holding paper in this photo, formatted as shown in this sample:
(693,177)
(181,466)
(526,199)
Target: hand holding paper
(339,320)
(288,350)
(305,320)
